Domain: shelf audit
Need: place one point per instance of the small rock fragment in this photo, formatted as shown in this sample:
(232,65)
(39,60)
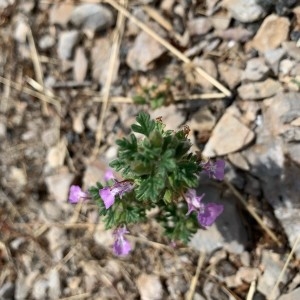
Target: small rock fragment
(230,75)
(245,10)
(150,287)
(259,90)
(228,136)
(92,16)
(80,65)
(58,185)
(272,265)
(144,51)
(210,68)
(294,295)
(237,34)
(199,26)
(256,70)
(238,160)
(292,49)
(66,43)
(273,58)
(21,31)
(100,59)
(60,13)
(273,31)
(47,41)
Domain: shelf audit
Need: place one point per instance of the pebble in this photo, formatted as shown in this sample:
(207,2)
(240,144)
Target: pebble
(292,49)
(92,16)
(46,42)
(21,31)
(80,66)
(66,43)
(150,287)
(294,295)
(227,232)
(61,13)
(273,58)
(231,75)
(259,90)
(256,70)
(244,10)
(210,68)
(199,26)
(272,265)
(229,135)
(143,52)
(58,185)
(273,31)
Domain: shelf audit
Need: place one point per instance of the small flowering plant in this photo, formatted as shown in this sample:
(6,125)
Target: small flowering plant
(158,170)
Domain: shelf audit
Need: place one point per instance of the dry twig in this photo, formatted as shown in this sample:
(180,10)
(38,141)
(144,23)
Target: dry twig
(193,285)
(253,213)
(116,43)
(167,45)
(273,292)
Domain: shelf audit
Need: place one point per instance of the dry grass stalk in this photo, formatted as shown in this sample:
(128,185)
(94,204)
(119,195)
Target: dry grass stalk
(251,291)
(191,292)
(168,46)
(156,16)
(253,213)
(30,92)
(36,65)
(279,279)
(116,43)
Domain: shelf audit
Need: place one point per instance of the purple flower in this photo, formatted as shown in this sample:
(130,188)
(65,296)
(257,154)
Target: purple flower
(209,213)
(121,245)
(206,213)
(193,201)
(109,175)
(108,194)
(214,169)
(75,194)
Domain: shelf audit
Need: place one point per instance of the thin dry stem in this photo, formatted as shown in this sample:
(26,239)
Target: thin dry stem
(116,43)
(168,46)
(251,291)
(273,292)
(36,65)
(30,92)
(77,297)
(193,285)
(253,213)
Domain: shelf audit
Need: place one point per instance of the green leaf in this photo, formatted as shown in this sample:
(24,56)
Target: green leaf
(139,99)
(145,126)
(151,188)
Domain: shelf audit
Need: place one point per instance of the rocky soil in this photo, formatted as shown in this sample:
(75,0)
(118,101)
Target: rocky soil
(73,76)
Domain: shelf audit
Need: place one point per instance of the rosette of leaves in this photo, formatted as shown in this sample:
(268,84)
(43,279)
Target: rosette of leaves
(159,164)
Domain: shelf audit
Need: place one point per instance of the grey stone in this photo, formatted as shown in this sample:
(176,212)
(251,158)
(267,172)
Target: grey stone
(273,58)
(228,231)
(66,43)
(272,264)
(292,49)
(294,295)
(272,32)
(92,16)
(150,287)
(255,70)
(245,10)
(229,135)
(259,90)
(47,41)
(199,26)
(144,51)
(281,110)
(231,75)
